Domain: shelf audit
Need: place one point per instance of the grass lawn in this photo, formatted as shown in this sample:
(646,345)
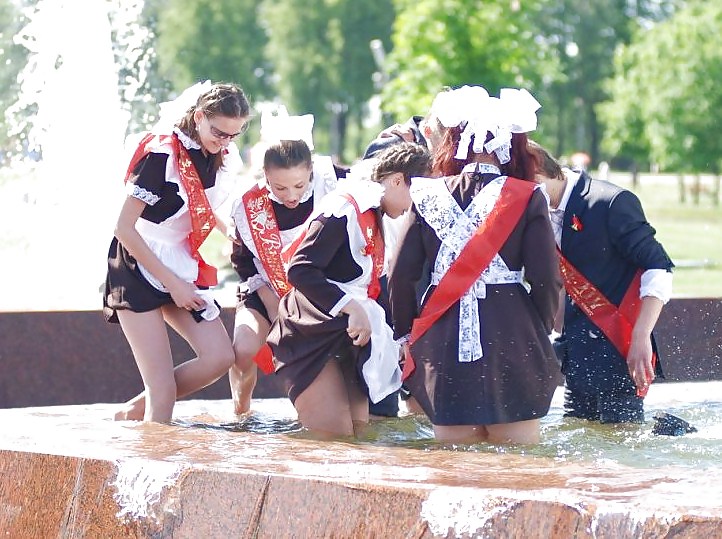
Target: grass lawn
(690,232)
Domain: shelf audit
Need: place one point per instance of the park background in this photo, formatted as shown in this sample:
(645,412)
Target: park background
(635,85)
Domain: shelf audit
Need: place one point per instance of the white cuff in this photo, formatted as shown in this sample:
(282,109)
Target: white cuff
(657,283)
(340,305)
(253,283)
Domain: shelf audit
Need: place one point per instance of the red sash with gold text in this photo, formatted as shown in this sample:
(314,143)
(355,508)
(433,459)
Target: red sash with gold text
(374,247)
(263,228)
(473,259)
(615,322)
(202,218)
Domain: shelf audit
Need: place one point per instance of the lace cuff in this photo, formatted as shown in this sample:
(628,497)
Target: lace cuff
(141,194)
(250,285)
(403,340)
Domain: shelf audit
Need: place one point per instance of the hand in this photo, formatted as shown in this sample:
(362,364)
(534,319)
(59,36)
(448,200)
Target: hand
(185,297)
(639,362)
(359,327)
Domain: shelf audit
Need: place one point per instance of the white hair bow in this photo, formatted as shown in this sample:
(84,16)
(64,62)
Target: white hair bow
(173,111)
(514,111)
(281,126)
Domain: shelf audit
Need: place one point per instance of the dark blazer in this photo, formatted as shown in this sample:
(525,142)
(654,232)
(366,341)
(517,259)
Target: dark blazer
(612,241)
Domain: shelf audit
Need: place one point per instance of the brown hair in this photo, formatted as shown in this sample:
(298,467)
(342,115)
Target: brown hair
(409,158)
(522,163)
(223,99)
(547,166)
(287,154)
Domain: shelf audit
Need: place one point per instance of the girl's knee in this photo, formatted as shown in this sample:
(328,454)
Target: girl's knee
(243,355)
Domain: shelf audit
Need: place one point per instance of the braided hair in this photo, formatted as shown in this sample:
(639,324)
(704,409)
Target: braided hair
(408,158)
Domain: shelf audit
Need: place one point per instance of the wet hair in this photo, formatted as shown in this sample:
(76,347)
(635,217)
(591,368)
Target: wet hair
(223,99)
(409,158)
(547,166)
(287,154)
(522,164)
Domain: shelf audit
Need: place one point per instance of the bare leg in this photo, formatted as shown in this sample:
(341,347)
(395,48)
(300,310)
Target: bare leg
(519,432)
(357,397)
(460,434)
(148,338)
(324,406)
(214,351)
(249,334)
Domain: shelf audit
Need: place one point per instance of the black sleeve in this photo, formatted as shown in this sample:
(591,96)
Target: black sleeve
(325,247)
(633,236)
(149,173)
(242,261)
(405,270)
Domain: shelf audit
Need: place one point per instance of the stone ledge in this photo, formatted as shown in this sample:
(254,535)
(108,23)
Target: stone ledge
(66,472)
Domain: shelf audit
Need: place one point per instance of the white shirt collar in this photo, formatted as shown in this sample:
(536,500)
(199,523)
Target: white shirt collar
(188,142)
(572,178)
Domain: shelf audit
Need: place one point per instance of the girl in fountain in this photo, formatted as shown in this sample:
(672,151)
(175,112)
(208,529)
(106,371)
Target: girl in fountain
(330,342)
(268,217)
(478,358)
(156,276)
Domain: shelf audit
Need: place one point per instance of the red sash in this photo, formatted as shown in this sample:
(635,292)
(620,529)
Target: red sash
(202,218)
(266,236)
(615,322)
(374,247)
(474,258)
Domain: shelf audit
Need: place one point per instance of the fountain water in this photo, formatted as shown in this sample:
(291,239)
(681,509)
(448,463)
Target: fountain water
(69,471)
(60,211)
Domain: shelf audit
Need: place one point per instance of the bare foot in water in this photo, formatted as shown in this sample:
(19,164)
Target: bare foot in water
(242,385)
(133,410)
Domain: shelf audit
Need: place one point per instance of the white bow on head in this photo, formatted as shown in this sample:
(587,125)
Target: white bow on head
(171,112)
(514,111)
(281,126)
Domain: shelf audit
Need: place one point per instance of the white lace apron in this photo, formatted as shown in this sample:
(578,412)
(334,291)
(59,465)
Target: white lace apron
(455,227)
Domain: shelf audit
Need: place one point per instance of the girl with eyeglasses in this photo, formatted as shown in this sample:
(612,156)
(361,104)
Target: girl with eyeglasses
(156,275)
(268,218)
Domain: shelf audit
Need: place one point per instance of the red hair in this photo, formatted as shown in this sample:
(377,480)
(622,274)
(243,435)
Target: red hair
(522,163)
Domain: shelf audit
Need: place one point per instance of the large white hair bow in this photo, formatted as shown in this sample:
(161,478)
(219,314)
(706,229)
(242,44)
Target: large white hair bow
(279,126)
(171,112)
(514,111)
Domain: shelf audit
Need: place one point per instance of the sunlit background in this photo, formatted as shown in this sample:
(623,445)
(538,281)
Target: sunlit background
(630,89)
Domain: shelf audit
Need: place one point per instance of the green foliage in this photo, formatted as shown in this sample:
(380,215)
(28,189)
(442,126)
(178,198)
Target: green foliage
(219,40)
(441,43)
(667,88)
(14,58)
(322,62)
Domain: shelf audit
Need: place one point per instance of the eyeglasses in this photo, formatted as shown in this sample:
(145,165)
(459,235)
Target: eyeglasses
(222,135)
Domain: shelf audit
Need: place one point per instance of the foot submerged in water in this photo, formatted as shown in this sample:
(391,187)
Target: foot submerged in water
(669,425)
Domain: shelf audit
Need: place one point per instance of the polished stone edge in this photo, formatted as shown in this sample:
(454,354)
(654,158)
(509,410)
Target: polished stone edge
(45,495)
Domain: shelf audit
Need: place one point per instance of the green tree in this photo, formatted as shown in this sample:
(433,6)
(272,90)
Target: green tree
(585,35)
(669,80)
(439,43)
(321,59)
(212,39)
(14,57)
